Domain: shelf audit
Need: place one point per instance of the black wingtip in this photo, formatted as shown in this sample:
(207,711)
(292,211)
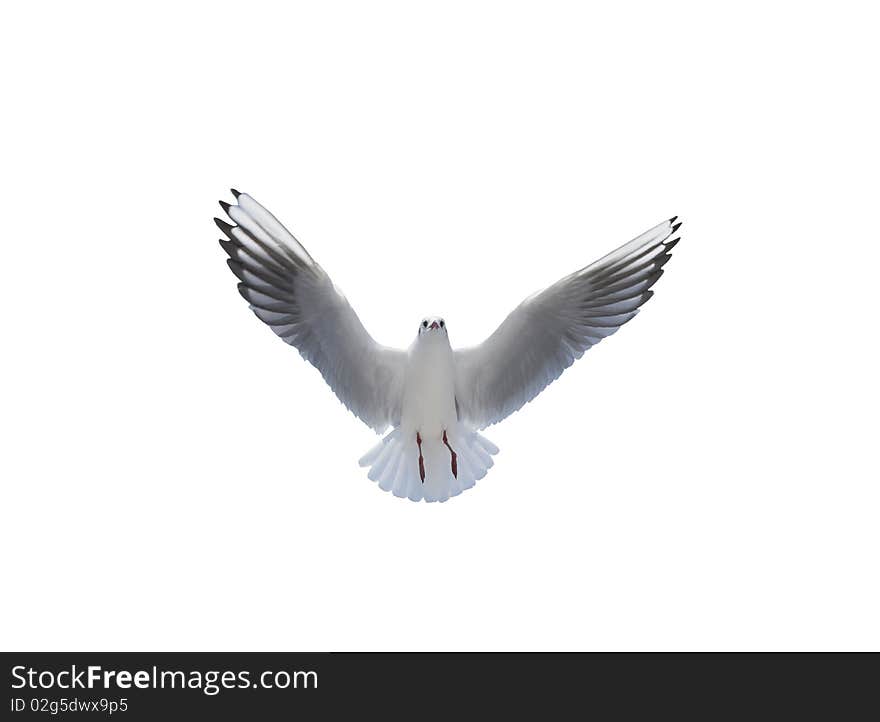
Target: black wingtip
(672,244)
(675,228)
(235,193)
(225,206)
(236,268)
(224,226)
(673,219)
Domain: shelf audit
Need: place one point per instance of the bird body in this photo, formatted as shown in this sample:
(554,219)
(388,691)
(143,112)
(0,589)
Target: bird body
(429,386)
(431,454)
(435,398)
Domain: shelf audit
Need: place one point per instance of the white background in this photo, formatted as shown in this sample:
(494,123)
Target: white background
(175,477)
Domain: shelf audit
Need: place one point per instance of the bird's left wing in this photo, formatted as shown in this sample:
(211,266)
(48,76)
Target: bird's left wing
(548,331)
(293,295)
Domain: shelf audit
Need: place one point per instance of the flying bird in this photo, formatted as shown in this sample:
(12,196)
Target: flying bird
(436,399)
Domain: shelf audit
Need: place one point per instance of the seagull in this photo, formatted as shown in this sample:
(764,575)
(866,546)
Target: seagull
(435,399)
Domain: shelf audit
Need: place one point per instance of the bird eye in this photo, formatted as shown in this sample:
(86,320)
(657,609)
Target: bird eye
(424,324)
(442,323)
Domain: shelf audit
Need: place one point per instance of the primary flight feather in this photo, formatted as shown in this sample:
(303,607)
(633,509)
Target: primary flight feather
(436,399)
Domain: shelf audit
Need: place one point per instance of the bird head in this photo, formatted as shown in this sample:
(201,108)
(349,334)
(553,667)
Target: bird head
(432,325)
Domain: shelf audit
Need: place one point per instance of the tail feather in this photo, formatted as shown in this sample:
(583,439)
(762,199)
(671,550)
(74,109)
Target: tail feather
(486,444)
(377,470)
(394,464)
(386,480)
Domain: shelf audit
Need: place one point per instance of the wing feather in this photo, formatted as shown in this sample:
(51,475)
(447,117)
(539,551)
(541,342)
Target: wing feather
(291,293)
(548,331)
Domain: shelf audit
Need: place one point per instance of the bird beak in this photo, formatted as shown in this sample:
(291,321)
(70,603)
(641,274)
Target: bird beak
(435,326)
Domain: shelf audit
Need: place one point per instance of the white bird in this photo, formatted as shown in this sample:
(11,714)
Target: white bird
(435,398)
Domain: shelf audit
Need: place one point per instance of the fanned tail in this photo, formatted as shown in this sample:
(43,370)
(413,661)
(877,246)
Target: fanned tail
(449,466)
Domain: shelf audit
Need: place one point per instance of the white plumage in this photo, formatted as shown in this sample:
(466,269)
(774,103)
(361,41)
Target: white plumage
(436,399)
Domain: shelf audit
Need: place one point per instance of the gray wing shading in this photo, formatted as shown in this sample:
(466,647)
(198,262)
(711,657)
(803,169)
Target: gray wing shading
(548,331)
(293,295)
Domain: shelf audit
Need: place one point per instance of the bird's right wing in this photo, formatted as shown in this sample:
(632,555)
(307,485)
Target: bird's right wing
(548,331)
(293,295)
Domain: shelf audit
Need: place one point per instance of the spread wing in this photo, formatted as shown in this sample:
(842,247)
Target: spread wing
(293,295)
(548,331)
